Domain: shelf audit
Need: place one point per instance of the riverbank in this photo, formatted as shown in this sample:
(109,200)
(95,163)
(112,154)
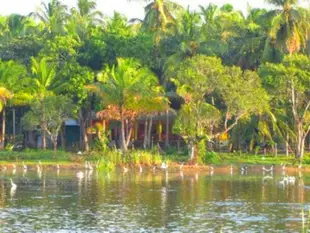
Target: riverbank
(134,158)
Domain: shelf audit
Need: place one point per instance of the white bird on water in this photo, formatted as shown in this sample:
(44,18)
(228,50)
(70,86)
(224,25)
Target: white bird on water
(25,167)
(90,167)
(80,175)
(164,165)
(283,166)
(14,169)
(181,166)
(58,167)
(140,168)
(267,170)
(13,185)
(125,169)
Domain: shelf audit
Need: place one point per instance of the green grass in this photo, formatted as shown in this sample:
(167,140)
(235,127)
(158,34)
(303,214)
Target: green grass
(112,158)
(35,155)
(236,158)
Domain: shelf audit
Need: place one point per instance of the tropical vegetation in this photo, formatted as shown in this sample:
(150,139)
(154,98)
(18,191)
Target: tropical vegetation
(218,75)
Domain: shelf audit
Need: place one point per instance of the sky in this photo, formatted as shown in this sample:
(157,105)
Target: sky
(134,9)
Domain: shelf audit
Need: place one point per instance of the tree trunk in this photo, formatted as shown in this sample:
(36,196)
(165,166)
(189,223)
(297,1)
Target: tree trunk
(43,127)
(192,151)
(63,137)
(83,130)
(300,147)
(167,130)
(43,140)
(14,123)
(55,143)
(145,133)
(287,145)
(123,137)
(3,129)
(149,134)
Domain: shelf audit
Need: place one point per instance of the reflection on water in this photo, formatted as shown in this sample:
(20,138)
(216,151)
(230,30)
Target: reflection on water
(160,201)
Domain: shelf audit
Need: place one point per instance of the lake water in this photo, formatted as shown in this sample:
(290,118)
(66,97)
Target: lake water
(153,202)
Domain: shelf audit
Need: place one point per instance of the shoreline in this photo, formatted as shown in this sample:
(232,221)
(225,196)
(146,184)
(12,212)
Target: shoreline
(173,166)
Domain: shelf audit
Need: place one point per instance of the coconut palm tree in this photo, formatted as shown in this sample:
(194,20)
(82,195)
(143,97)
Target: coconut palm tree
(83,17)
(53,15)
(11,75)
(125,86)
(160,15)
(44,82)
(290,25)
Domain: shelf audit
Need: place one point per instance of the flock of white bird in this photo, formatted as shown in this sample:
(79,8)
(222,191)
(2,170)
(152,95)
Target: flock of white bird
(164,166)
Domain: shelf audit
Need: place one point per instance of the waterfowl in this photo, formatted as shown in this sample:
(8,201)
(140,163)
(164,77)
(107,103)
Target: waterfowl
(80,175)
(125,169)
(267,170)
(164,166)
(13,185)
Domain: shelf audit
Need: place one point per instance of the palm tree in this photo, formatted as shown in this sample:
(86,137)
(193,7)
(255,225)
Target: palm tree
(10,88)
(160,14)
(125,87)
(290,26)
(53,15)
(189,35)
(83,17)
(248,47)
(44,82)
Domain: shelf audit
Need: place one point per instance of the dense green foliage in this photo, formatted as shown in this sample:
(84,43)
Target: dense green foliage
(241,77)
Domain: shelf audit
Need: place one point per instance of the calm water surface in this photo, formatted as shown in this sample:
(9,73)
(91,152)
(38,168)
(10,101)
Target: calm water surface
(152,202)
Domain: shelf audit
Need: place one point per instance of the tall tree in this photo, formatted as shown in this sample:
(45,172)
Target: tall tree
(125,86)
(290,25)
(44,82)
(53,15)
(288,84)
(216,98)
(11,75)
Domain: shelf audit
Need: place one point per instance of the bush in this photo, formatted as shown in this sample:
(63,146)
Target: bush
(210,157)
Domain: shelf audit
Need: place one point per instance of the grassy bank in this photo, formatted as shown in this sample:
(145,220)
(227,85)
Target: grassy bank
(146,158)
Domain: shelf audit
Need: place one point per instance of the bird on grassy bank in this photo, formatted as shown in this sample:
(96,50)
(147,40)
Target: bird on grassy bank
(58,167)
(231,169)
(140,168)
(300,166)
(4,168)
(181,166)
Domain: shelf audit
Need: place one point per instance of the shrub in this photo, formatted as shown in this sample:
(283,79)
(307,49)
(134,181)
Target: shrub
(210,157)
